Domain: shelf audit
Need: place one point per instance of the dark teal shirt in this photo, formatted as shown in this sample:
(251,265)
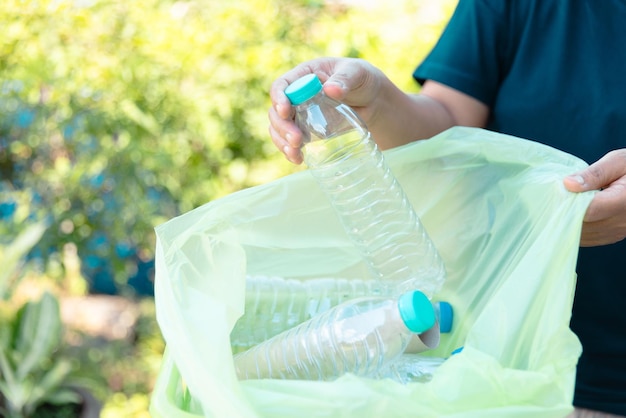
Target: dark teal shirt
(553,71)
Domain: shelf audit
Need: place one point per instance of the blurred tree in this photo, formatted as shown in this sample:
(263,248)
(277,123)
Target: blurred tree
(116,116)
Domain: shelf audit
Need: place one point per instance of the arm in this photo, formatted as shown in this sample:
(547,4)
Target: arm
(403,118)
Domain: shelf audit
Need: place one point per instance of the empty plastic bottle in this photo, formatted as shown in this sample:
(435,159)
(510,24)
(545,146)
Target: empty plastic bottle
(411,368)
(374,210)
(275,304)
(360,336)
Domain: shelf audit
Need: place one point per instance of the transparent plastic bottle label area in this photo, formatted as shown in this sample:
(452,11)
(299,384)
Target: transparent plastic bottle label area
(410,368)
(274,304)
(360,336)
(372,206)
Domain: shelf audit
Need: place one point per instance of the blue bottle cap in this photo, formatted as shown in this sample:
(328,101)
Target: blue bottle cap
(446,316)
(416,311)
(303,89)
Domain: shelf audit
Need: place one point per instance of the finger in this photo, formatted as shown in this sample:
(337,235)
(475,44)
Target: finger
(285,129)
(599,174)
(321,66)
(293,154)
(280,102)
(601,233)
(610,202)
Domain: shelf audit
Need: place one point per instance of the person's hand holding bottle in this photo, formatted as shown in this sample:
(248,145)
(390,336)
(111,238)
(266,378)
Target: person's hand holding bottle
(351,81)
(392,116)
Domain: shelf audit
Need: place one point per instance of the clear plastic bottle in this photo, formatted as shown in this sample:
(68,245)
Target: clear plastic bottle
(373,208)
(274,304)
(410,368)
(360,336)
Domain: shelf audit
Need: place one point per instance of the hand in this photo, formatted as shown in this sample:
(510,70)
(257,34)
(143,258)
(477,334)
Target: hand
(589,413)
(352,81)
(605,219)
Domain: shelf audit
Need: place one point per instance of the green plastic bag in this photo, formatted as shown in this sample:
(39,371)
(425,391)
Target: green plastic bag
(506,228)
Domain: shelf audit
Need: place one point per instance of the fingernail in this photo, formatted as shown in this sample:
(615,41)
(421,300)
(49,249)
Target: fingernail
(578,179)
(288,137)
(286,150)
(337,83)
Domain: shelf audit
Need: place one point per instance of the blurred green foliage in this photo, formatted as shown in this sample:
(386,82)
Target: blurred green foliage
(121,372)
(116,116)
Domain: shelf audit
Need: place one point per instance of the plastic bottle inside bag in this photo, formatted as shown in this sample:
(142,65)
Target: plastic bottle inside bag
(373,209)
(409,368)
(360,336)
(275,304)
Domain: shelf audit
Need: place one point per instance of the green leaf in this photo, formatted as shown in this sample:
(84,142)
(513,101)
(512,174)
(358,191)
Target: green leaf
(39,333)
(63,396)
(7,373)
(11,256)
(7,320)
(50,387)
(13,390)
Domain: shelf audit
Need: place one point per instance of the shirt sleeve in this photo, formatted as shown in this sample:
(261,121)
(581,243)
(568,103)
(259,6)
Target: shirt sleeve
(469,54)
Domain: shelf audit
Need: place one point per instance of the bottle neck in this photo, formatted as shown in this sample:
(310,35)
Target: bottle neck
(314,100)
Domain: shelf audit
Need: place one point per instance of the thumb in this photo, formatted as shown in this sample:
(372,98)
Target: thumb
(335,87)
(354,81)
(576,182)
(599,174)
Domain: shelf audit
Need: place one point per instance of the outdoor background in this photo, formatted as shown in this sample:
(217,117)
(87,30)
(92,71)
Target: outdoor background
(116,116)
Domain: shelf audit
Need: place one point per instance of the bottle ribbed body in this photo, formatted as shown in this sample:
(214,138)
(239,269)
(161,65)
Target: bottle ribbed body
(375,212)
(360,336)
(275,304)
(409,368)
